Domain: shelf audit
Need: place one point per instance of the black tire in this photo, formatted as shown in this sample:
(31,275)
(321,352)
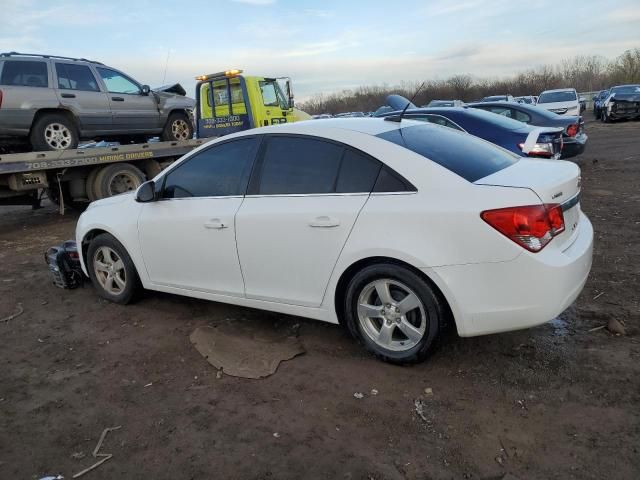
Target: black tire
(177,128)
(119,293)
(434,308)
(90,184)
(117,178)
(53,131)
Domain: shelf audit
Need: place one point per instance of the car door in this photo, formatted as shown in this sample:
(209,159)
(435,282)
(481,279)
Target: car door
(188,236)
(133,111)
(79,91)
(301,205)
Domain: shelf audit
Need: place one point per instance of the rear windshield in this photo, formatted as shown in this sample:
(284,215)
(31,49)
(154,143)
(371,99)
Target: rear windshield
(551,97)
(463,154)
(495,98)
(440,103)
(458,116)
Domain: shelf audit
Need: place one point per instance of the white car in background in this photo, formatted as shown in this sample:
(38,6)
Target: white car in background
(563,101)
(392,227)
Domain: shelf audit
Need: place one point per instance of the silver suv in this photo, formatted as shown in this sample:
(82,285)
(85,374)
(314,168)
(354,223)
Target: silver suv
(53,102)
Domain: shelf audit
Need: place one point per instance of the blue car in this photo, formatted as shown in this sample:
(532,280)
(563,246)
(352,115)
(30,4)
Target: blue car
(517,137)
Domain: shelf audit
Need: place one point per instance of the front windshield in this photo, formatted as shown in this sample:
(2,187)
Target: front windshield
(552,97)
(626,89)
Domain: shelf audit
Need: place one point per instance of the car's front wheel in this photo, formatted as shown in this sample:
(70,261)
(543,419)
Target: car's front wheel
(394,312)
(111,269)
(178,127)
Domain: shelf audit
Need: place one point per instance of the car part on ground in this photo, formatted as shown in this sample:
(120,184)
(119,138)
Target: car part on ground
(56,101)
(258,228)
(574,138)
(64,265)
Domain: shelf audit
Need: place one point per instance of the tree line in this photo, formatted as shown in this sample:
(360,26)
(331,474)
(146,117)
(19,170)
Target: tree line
(585,73)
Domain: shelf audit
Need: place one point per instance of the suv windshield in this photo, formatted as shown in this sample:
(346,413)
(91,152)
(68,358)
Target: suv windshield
(552,97)
(465,155)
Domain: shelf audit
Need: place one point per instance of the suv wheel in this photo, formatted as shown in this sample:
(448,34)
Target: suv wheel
(177,128)
(111,269)
(53,131)
(394,313)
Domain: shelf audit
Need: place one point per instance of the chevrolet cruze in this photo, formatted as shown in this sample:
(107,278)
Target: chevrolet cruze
(391,227)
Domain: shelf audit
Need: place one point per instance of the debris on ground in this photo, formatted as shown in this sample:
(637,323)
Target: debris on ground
(374,392)
(56,477)
(276,434)
(419,407)
(103,456)
(19,311)
(358,395)
(595,329)
(78,455)
(244,351)
(428,391)
(615,326)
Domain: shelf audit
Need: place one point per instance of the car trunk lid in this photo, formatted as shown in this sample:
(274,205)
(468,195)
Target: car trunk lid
(555,182)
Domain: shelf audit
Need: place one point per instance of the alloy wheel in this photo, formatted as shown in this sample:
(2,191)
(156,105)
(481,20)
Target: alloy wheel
(180,129)
(392,315)
(58,136)
(109,270)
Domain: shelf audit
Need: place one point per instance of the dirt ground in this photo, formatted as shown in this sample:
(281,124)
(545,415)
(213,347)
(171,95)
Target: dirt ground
(558,401)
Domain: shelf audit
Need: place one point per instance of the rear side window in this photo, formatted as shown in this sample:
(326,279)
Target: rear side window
(24,74)
(76,77)
(297,165)
(358,172)
(465,155)
(222,170)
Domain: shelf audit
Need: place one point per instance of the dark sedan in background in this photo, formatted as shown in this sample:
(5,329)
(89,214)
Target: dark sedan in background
(574,136)
(512,135)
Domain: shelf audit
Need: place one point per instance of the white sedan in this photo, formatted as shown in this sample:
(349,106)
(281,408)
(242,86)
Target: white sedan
(393,228)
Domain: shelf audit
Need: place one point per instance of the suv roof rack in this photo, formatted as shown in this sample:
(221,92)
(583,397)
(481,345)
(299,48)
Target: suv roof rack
(17,54)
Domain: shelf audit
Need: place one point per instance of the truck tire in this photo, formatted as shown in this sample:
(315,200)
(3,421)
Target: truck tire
(90,184)
(177,128)
(53,131)
(117,178)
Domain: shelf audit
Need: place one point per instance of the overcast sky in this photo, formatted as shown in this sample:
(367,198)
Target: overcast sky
(323,45)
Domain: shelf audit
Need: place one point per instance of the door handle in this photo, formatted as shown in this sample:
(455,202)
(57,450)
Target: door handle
(324,222)
(67,95)
(117,99)
(215,224)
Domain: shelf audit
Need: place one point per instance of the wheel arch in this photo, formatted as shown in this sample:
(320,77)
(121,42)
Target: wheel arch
(44,111)
(351,270)
(92,233)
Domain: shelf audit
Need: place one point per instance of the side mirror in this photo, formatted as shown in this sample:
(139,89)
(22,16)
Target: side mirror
(145,89)
(146,192)
(289,94)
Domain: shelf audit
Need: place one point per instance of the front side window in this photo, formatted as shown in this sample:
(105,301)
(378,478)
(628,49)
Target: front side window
(76,77)
(272,95)
(117,82)
(219,171)
(24,74)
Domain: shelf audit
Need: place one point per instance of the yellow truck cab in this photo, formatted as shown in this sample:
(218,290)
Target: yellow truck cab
(228,102)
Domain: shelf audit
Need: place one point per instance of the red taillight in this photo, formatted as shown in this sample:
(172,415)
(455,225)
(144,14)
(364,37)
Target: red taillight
(531,226)
(572,130)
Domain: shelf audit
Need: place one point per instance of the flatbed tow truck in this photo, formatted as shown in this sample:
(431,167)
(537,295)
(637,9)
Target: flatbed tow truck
(75,177)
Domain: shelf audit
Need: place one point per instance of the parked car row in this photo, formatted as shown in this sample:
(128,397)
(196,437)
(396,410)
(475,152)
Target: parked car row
(522,129)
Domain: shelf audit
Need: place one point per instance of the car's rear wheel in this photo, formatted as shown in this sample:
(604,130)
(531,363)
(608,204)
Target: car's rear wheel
(53,131)
(177,128)
(117,178)
(111,269)
(394,312)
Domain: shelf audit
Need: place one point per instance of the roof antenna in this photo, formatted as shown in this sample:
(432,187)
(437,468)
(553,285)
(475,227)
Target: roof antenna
(410,102)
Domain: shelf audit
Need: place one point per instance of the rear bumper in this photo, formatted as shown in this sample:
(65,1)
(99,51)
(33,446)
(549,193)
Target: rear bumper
(15,122)
(574,146)
(527,291)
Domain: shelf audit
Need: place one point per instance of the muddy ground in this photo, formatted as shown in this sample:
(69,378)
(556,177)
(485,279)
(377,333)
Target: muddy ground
(557,401)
